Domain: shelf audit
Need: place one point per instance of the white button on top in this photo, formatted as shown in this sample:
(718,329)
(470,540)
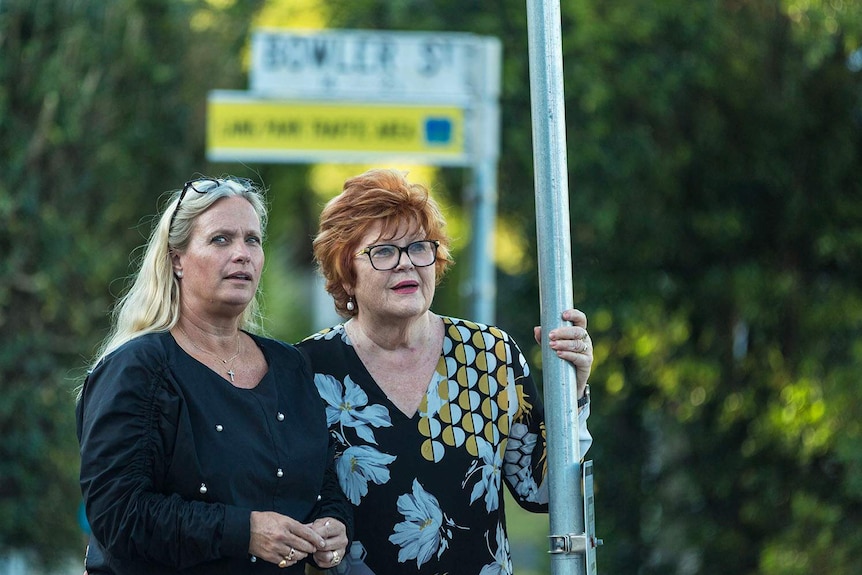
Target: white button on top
(279,473)
(280,416)
(219,427)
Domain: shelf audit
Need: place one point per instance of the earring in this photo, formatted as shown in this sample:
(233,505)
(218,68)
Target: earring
(350,305)
(179,274)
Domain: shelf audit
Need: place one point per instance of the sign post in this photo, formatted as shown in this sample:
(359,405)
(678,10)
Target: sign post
(569,488)
(365,96)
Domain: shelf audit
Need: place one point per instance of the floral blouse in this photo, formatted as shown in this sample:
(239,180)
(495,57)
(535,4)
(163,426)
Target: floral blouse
(427,490)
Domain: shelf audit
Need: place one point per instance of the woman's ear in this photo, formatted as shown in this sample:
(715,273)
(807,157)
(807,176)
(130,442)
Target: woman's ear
(177,264)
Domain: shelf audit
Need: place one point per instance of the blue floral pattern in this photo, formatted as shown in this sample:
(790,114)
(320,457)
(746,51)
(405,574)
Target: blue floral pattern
(502,564)
(358,465)
(427,488)
(425,532)
(347,407)
(490,470)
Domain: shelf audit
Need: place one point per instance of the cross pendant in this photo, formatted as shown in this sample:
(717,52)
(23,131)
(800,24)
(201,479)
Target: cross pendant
(231,374)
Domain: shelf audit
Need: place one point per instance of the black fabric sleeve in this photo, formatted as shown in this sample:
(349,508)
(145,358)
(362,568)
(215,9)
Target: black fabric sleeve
(333,503)
(127,421)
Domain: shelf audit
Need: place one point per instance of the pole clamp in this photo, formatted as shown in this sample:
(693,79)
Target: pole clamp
(568,544)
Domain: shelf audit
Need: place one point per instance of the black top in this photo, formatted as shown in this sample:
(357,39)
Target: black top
(174,458)
(427,489)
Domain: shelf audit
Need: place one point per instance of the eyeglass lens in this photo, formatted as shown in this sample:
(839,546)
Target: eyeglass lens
(386,256)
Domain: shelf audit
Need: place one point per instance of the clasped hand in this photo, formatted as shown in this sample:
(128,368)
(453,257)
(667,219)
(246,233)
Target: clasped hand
(284,541)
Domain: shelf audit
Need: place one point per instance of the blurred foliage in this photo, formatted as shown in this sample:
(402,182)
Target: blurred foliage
(101,112)
(716,212)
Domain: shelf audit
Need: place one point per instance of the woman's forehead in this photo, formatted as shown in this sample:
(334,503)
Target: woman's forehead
(381,232)
(228,212)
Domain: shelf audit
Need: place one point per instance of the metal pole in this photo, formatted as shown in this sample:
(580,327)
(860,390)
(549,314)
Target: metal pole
(555,284)
(483,186)
(483,291)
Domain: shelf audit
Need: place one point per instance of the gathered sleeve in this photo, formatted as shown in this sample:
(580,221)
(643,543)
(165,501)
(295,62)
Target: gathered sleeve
(332,501)
(127,421)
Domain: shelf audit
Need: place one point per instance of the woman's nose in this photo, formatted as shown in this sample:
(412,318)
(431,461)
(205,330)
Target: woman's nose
(404,260)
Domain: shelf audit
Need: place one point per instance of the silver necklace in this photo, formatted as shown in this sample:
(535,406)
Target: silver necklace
(230,371)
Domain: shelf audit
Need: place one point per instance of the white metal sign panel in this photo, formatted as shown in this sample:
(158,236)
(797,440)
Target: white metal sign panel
(380,66)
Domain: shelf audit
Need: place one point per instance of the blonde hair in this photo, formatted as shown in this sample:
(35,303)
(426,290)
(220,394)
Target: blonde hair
(152,303)
(379,196)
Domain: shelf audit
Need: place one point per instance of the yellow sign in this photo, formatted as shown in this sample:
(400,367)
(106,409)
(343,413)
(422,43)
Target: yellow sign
(243,128)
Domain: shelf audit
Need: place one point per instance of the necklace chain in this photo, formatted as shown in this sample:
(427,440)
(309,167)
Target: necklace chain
(230,372)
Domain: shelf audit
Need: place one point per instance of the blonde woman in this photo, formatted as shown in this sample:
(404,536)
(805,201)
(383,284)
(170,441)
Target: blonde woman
(204,446)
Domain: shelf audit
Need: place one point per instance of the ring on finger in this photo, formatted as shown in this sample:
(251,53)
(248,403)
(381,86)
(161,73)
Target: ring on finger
(290,554)
(336,558)
(282,564)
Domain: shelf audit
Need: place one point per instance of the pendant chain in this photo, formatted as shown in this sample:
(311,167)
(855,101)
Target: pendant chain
(230,372)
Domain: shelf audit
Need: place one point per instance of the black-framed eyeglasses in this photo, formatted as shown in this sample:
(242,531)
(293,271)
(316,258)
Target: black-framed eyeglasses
(385,257)
(201,186)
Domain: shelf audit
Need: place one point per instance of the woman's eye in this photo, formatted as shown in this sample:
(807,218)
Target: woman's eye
(383,252)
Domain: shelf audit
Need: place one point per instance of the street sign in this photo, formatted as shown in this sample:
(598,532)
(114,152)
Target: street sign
(371,96)
(241,126)
(375,65)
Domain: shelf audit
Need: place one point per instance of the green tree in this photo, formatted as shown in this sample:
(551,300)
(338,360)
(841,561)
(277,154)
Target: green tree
(714,155)
(101,112)
(716,209)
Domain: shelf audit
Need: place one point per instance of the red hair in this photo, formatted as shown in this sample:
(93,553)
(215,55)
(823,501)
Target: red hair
(377,197)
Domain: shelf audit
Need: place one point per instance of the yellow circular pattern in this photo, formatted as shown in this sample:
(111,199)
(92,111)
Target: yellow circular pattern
(476,397)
